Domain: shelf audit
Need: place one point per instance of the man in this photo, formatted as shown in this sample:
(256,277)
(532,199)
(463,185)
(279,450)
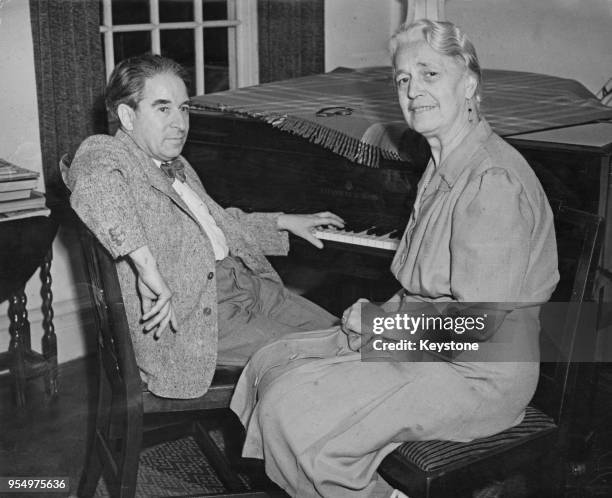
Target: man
(196,285)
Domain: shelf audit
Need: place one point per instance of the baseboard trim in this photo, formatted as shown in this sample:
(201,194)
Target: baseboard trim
(66,368)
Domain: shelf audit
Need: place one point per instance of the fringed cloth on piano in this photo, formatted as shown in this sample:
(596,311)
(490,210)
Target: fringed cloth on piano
(513,103)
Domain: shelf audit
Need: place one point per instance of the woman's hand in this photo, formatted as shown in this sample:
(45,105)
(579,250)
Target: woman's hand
(303,225)
(361,339)
(351,324)
(155,295)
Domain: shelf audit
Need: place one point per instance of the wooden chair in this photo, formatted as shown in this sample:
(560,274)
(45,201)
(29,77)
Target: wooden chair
(540,443)
(128,416)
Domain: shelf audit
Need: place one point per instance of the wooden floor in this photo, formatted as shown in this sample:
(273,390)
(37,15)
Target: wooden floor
(48,438)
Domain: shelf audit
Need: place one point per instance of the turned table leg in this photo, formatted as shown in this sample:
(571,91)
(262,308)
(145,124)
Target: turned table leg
(17,346)
(49,339)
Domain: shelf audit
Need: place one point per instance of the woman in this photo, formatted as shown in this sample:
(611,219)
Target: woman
(481,230)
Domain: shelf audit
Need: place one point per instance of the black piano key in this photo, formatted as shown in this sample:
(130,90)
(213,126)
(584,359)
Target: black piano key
(380,231)
(362,227)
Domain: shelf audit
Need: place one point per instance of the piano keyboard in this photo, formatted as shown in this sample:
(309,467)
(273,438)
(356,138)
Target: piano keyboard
(389,241)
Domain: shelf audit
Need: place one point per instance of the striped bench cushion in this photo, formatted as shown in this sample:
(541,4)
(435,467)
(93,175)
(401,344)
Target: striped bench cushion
(433,455)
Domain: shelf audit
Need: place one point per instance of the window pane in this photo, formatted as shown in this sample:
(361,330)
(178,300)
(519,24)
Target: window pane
(214,9)
(129,44)
(216,64)
(175,10)
(130,11)
(178,44)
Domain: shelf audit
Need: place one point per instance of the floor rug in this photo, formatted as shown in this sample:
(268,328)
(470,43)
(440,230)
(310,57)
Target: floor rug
(174,468)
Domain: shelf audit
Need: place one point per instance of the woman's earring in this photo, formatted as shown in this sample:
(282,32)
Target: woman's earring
(470,110)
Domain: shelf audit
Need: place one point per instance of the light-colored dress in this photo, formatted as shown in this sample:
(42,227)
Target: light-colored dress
(323,420)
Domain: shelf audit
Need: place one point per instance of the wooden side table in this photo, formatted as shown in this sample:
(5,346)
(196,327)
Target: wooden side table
(25,245)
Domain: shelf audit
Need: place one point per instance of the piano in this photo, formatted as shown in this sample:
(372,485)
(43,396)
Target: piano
(248,164)
(383,238)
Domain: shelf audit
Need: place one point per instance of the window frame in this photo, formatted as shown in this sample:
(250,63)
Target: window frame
(243,54)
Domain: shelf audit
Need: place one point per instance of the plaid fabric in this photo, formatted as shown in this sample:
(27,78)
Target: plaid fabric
(513,102)
(430,456)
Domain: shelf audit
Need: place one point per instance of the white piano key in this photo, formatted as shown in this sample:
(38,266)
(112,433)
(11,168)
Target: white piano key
(360,239)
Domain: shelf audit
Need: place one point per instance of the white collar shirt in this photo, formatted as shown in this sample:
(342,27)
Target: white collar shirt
(199,209)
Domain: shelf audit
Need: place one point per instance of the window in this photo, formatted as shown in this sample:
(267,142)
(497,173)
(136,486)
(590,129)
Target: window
(215,40)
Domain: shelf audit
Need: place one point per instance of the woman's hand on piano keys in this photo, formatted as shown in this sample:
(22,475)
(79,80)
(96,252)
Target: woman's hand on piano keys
(303,225)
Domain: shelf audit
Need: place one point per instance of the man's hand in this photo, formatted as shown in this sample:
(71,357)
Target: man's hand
(303,225)
(155,296)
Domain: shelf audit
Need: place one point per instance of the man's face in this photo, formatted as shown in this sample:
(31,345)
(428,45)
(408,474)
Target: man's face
(160,123)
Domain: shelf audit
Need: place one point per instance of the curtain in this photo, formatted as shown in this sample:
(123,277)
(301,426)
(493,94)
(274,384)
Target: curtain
(69,80)
(291,39)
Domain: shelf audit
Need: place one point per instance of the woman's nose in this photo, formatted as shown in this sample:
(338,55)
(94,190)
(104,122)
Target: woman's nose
(414,89)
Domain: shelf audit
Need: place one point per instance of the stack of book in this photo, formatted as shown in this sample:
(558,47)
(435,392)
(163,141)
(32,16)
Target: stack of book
(18,199)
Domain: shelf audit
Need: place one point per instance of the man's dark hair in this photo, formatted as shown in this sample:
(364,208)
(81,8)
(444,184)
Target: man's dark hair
(127,81)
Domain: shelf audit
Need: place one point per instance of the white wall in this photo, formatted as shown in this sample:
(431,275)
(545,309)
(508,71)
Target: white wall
(357,31)
(20,144)
(19,140)
(568,38)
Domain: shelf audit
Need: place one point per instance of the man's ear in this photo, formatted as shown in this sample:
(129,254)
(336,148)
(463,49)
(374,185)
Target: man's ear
(126,116)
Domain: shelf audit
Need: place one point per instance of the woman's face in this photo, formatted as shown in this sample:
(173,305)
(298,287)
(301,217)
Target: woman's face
(432,90)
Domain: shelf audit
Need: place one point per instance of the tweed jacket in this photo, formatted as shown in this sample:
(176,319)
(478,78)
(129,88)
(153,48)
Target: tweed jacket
(128,202)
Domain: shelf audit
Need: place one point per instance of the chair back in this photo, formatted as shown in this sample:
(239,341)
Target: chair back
(578,245)
(115,348)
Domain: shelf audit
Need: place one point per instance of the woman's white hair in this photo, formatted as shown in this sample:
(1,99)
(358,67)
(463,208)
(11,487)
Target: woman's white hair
(446,39)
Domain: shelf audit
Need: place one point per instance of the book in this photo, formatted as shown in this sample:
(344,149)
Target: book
(24,213)
(10,185)
(11,172)
(36,200)
(11,195)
